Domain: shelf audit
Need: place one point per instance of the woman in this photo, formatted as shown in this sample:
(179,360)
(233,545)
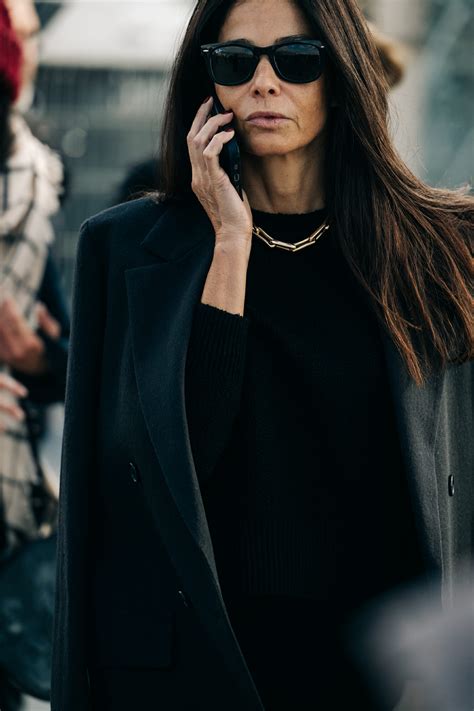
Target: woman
(249,452)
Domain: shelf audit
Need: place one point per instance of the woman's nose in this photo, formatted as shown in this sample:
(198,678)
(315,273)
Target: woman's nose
(265,80)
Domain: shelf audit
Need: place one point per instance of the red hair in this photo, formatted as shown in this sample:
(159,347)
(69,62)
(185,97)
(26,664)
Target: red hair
(10,55)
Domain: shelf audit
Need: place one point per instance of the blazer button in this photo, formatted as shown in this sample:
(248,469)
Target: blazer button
(183,597)
(451,484)
(134,474)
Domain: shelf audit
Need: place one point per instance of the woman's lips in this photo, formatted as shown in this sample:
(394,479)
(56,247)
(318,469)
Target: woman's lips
(267,121)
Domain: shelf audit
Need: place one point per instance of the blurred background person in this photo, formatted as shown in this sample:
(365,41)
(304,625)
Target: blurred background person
(34,320)
(403,634)
(27,27)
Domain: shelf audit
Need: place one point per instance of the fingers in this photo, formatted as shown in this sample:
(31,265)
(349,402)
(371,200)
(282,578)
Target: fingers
(47,322)
(201,133)
(10,319)
(212,151)
(12,385)
(210,127)
(6,405)
(10,408)
(200,118)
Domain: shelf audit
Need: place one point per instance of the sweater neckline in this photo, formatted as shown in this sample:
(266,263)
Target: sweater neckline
(288,215)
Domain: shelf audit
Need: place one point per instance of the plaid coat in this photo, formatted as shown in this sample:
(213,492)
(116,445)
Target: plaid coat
(30,189)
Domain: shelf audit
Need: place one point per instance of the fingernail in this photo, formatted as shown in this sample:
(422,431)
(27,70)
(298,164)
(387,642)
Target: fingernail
(228,128)
(229,111)
(206,99)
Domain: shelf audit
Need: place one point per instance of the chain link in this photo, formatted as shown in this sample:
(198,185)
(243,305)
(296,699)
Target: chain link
(290,246)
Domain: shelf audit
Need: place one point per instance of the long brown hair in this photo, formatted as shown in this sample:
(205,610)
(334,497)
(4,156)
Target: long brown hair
(407,243)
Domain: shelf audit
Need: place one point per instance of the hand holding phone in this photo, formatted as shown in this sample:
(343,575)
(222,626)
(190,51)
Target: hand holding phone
(217,188)
(230,155)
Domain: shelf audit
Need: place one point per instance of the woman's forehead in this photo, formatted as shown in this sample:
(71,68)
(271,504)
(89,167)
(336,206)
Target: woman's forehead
(263,22)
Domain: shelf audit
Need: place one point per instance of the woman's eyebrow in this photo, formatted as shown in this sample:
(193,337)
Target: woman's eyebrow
(279,39)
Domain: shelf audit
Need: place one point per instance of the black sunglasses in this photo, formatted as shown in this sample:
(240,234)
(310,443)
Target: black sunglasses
(231,63)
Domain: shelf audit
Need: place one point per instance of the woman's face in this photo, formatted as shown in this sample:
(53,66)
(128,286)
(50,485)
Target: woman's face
(264,22)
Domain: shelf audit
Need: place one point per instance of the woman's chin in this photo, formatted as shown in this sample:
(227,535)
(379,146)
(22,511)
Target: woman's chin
(267,145)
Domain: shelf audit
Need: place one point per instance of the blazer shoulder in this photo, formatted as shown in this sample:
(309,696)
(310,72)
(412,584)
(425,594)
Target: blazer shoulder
(123,224)
(142,212)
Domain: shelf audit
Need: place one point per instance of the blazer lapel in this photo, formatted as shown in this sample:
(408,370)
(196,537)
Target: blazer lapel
(416,414)
(161,298)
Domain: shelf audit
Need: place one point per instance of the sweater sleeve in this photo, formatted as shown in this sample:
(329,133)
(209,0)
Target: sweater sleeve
(213,383)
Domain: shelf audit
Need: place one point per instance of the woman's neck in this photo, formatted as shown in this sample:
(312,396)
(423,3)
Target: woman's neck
(290,183)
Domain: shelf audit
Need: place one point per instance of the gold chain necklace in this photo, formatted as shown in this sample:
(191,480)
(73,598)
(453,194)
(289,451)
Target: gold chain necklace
(290,246)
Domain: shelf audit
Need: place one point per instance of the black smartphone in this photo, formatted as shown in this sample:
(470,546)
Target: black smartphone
(229,157)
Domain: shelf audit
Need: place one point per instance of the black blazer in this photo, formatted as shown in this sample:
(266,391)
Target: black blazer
(134,549)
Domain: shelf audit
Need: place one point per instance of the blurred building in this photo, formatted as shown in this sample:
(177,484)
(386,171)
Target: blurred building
(99,97)
(102,84)
(434,105)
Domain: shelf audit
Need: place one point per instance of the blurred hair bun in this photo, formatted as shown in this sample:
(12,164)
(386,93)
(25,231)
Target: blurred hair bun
(391,55)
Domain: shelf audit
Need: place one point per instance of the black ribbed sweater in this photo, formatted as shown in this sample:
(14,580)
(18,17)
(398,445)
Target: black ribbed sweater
(293,433)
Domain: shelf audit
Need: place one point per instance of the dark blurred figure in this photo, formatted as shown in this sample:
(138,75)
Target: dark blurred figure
(406,635)
(141,178)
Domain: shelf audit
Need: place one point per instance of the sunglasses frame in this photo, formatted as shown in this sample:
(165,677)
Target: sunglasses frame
(208,49)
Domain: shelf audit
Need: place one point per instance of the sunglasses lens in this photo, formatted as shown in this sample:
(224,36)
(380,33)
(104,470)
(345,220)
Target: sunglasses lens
(298,62)
(232,65)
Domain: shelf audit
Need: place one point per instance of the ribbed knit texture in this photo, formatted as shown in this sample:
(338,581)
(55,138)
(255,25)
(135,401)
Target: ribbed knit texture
(294,438)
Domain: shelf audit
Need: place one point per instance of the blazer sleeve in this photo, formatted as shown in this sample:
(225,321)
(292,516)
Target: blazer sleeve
(213,383)
(69,678)
(50,386)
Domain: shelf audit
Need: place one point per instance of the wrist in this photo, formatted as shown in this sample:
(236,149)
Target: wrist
(232,247)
